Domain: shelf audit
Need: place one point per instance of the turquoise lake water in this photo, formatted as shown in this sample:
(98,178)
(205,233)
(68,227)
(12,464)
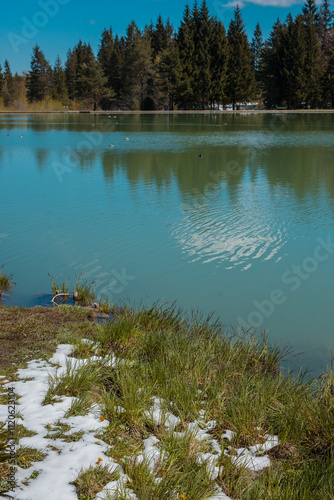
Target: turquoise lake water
(245,231)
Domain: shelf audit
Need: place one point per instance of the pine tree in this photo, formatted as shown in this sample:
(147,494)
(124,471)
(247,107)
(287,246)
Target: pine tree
(59,90)
(326,35)
(92,83)
(204,53)
(70,73)
(274,91)
(19,100)
(160,38)
(137,68)
(218,65)
(8,85)
(39,84)
(1,82)
(325,26)
(117,65)
(169,74)
(241,77)
(293,62)
(329,82)
(186,47)
(257,47)
(105,53)
(84,60)
(313,72)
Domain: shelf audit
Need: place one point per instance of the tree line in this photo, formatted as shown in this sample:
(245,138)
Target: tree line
(198,66)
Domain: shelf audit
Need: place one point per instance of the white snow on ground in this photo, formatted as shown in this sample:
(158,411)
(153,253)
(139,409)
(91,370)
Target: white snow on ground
(57,470)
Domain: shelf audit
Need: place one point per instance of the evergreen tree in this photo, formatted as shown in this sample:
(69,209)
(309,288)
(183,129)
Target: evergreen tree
(274,92)
(84,60)
(92,83)
(329,81)
(8,85)
(59,90)
(326,35)
(241,77)
(203,54)
(293,62)
(1,82)
(39,84)
(160,39)
(186,47)
(257,47)
(325,26)
(218,63)
(310,10)
(137,68)
(70,73)
(19,100)
(105,54)
(117,65)
(169,74)
(313,72)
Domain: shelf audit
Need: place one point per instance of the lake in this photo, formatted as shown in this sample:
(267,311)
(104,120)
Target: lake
(225,213)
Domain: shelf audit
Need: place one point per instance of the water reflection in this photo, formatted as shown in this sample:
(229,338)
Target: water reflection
(184,225)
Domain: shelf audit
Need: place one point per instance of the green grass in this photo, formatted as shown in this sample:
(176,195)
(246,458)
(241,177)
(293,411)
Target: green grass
(60,431)
(104,306)
(192,365)
(85,291)
(25,456)
(90,481)
(6,282)
(58,287)
(237,380)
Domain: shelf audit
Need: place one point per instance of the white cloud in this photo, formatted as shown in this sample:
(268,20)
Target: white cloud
(234,3)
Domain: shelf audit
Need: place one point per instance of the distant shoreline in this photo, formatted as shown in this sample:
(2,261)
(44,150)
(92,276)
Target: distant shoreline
(180,112)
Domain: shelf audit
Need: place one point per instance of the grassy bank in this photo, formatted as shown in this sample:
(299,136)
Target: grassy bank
(185,393)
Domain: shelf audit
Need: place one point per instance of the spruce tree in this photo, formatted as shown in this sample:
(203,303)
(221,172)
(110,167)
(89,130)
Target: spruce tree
(313,73)
(92,83)
(186,47)
(326,35)
(39,81)
(8,85)
(159,37)
(59,90)
(241,76)
(117,65)
(218,63)
(293,62)
(105,53)
(137,68)
(70,73)
(19,92)
(84,60)
(1,82)
(274,91)
(329,82)
(257,47)
(169,74)
(204,54)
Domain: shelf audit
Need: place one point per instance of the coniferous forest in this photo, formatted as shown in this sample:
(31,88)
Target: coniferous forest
(200,65)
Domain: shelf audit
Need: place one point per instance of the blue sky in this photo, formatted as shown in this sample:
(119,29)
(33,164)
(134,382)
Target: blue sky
(57,25)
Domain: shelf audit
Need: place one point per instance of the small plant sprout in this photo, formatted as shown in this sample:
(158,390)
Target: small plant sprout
(6,282)
(59,289)
(84,293)
(104,306)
